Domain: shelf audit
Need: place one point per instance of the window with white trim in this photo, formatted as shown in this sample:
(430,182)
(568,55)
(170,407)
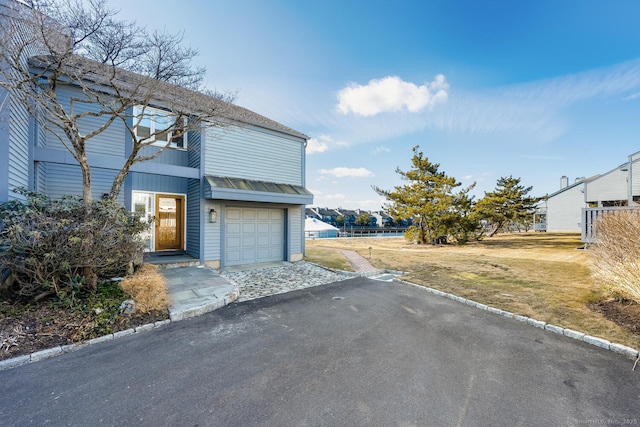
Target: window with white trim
(156,125)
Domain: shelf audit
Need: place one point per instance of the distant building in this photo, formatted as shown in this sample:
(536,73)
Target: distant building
(619,187)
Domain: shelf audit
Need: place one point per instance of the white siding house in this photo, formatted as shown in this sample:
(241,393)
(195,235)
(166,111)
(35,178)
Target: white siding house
(619,187)
(564,208)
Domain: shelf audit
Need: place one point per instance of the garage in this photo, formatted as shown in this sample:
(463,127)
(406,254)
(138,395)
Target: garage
(253,235)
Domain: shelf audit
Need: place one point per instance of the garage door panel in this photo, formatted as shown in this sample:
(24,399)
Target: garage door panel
(233,229)
(233,242)
(264,241)
(233,214)
(233,257)
(248,214)
(254,235)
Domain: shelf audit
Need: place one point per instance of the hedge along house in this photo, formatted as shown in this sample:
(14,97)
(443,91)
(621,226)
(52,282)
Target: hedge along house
(229,191)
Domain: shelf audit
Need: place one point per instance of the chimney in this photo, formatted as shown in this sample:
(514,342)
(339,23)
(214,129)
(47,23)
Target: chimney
(564,182)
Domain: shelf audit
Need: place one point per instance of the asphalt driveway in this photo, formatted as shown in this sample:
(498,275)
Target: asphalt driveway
(358,352)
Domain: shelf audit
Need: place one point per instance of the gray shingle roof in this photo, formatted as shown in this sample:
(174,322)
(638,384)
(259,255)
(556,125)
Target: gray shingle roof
(163,92)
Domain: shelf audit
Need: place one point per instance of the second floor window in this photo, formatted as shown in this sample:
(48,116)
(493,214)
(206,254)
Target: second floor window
(158,126)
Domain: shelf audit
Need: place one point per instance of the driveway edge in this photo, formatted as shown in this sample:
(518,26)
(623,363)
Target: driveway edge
(629,352)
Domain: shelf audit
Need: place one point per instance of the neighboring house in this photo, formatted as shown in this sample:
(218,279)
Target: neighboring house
(347,217)
(382,219)
(330,216)
(327,215)
(565,209)
(312,213)
(225,196)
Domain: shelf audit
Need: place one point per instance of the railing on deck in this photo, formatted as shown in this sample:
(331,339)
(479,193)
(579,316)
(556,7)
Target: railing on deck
(590,215)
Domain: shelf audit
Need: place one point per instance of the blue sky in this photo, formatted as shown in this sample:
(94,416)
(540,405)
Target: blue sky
(535,89)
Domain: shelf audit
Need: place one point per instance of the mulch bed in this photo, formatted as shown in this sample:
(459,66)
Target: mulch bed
(625,313)
(47,327)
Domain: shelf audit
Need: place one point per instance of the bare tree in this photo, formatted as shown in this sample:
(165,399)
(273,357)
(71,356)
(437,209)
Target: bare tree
(120,73)
(116,65)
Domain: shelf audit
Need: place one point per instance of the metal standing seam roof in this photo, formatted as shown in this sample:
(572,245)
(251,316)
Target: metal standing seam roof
(253,185)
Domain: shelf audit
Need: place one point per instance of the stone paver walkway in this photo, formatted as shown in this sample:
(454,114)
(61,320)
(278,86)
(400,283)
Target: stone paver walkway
(358,262)
(271,280)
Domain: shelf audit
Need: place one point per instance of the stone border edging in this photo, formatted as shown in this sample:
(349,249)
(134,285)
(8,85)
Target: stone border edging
(56,351)
(580,336)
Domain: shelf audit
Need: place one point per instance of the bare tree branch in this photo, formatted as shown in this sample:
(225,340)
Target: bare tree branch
(113,65)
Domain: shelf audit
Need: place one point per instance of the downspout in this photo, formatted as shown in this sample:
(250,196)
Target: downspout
(304,185)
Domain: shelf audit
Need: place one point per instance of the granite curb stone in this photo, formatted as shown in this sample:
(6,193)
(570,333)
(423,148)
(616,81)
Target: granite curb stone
(580,336)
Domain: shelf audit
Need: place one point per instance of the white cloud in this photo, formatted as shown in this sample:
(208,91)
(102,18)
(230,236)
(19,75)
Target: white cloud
(632,97)
(316,146)
(391,93)
(323,143)
(381,149)
(341,172)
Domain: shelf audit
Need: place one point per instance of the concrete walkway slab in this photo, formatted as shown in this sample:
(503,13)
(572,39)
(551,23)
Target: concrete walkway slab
(197,290)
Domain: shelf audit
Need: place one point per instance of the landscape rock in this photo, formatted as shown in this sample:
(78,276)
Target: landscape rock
(128,307)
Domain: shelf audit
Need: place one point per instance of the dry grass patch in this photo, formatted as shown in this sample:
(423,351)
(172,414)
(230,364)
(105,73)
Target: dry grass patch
(327,257)
(541,275)
(148,289)
(615,257)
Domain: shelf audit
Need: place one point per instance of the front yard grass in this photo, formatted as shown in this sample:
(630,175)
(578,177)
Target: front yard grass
(540,275)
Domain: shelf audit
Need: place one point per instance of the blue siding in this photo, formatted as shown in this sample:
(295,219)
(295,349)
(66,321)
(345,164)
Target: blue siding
(158,183)
(4,148)
(194,153)
(67,179)
(254,153)
(170,156)
(212,232)
(296,231)
(18,149)
(194,200)
(195,212)
(110,142)
(40,169)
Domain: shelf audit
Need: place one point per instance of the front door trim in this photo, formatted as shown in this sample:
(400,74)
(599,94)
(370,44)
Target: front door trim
(171,237)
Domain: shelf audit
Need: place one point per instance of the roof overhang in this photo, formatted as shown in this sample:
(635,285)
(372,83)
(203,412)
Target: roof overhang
(225,188)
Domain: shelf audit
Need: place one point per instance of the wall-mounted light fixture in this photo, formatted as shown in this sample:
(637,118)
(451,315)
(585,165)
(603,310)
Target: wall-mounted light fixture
(213,215)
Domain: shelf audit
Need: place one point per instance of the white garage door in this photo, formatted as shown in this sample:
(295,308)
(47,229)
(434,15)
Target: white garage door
(253,235)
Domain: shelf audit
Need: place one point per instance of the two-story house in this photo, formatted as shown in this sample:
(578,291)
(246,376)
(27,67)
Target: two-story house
(225,195)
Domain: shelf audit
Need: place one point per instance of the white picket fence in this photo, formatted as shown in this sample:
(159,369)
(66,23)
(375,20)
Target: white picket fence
(590,215)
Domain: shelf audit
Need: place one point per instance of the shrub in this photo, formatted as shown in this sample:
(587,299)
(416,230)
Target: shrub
(148,289)
(615,257)
(47,244)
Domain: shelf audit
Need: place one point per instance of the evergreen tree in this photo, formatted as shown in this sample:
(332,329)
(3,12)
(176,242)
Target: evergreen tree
(508,204)
(427,198)
(363,219)
(465,221)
